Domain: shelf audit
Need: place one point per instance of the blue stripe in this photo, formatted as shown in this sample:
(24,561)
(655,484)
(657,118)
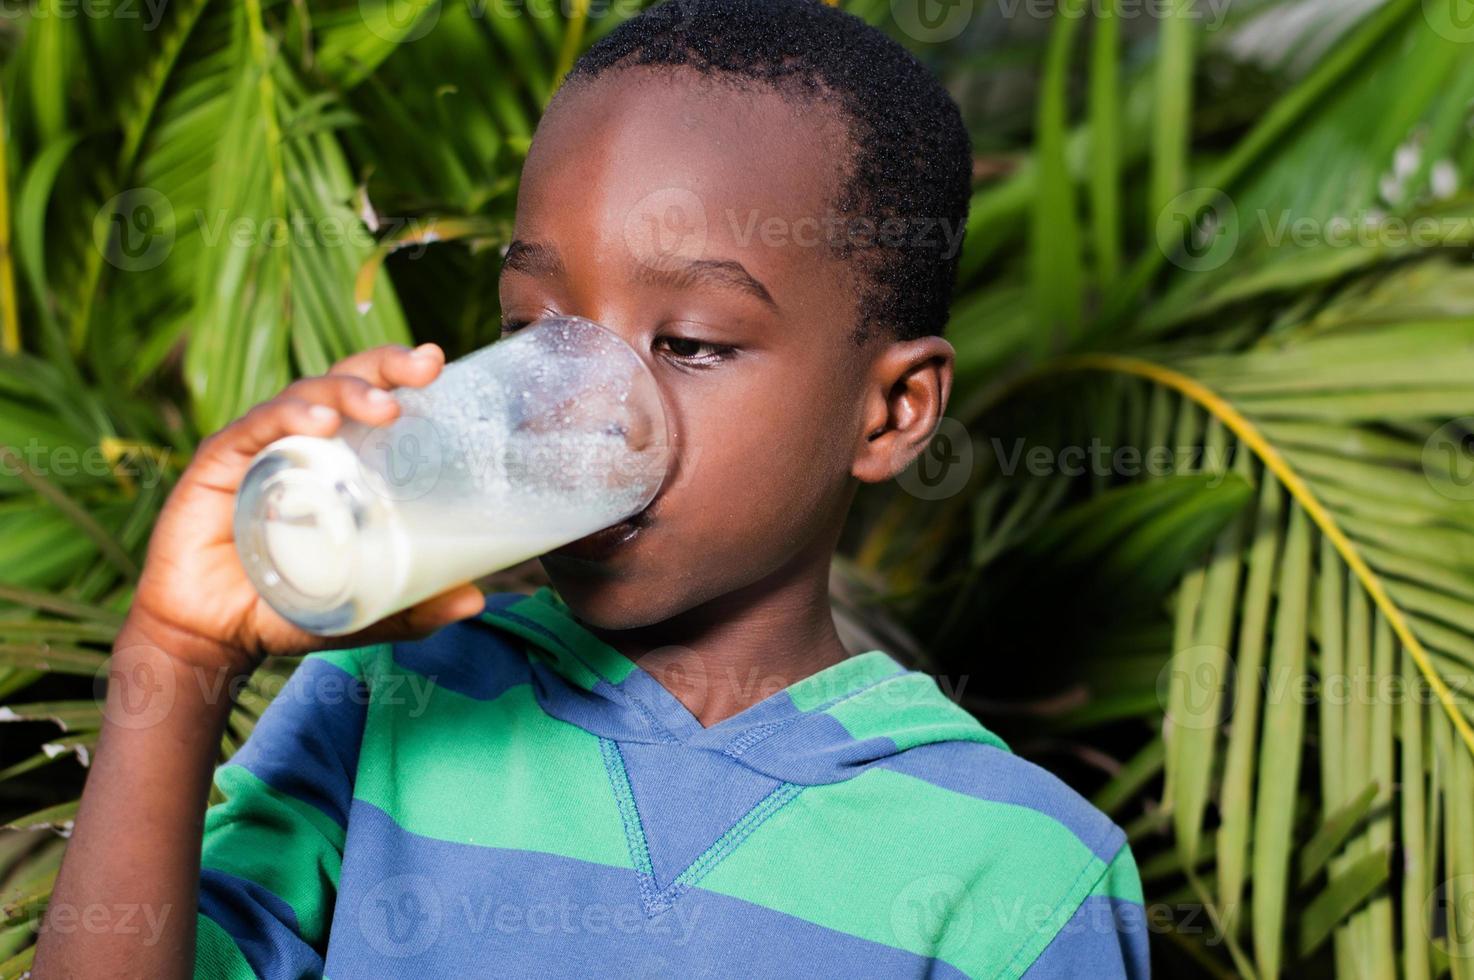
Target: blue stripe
(416,907)
(815,751)
(262,925)
(687,800)
(663,708)
(307,741)
(498,601)
(606,710)
(466,659)
(1105,939)
(986,772)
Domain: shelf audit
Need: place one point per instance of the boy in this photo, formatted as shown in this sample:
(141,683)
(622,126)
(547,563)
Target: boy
(666,764)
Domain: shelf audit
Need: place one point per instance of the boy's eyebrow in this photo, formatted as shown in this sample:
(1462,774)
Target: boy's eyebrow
(678,273)
(532,258)
(537,259)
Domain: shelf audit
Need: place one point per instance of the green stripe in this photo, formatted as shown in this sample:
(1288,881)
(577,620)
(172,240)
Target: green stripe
(1034,872)
(352,661)
(216,956)
(288,847)
(591,658)
(548,609)
(738,832)
(844,678)
(1040,933)
(910,710)
(498,773)
(540,647)
(235,780)
(1121,880)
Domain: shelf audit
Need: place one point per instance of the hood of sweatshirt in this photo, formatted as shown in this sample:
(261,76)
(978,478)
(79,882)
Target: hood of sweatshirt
(689,795)
(823,729)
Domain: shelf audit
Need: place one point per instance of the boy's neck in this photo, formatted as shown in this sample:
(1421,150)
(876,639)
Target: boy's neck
(733,651)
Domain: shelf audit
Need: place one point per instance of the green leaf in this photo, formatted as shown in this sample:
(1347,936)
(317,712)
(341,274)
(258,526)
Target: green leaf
(1334,832)
(1172,126)
(1201,677)
(1279,770)
(1054,240)
(56,818)
(69,716)
(1345,892)
(1105,126)
(54,657)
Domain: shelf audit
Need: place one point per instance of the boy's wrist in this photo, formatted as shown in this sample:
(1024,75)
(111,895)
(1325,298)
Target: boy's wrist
(157,673)
(142,628)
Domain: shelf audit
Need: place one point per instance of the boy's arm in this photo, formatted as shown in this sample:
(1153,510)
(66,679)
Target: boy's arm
(194,626)
(273,850)
(259,901)
(1107,935)
(1093,926)
(136,838)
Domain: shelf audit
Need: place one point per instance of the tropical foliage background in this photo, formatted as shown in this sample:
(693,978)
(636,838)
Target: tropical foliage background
(1197,534)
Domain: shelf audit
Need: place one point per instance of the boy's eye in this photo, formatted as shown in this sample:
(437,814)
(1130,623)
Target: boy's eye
(696,353)
(693,353)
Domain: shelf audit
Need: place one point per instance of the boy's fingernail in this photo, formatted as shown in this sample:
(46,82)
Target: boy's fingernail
(323,413)
(425,350)
(379,396)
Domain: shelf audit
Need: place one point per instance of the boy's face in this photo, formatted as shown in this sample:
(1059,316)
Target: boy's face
(688,218)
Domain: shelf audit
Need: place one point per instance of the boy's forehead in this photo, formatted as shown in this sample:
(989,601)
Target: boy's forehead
(673,160)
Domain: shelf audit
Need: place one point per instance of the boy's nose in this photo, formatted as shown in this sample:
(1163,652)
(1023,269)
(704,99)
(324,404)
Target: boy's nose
(624,324)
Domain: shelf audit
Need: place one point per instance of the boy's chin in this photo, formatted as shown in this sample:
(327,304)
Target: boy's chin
(612,594)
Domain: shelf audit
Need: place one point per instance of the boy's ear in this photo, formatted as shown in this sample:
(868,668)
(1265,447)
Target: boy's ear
(906,395)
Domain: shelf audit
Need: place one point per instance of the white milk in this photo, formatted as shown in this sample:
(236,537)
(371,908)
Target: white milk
(409,542)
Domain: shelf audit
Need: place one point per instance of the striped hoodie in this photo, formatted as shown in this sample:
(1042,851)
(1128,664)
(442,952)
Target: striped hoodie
(511,797)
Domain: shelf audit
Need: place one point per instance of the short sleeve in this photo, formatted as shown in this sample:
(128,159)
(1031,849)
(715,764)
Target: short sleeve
(273,849)
(1106,938)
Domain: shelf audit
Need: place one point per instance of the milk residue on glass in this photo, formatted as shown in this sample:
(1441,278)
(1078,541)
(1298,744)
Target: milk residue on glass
(514,450)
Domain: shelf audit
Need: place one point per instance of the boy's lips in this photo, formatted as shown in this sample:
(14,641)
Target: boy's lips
(606,541)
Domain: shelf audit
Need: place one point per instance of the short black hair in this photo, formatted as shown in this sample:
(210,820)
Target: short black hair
(911,160)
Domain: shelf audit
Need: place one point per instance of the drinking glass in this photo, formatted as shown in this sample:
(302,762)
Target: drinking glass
(534,441)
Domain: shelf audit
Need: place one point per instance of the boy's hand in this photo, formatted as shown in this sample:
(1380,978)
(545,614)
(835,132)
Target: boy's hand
(194,599)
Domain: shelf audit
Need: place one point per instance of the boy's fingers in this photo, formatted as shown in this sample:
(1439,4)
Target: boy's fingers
(447,607)
(262,425)
(352,396)
(309,406)
(355,388)
(424,618)
(392,365)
